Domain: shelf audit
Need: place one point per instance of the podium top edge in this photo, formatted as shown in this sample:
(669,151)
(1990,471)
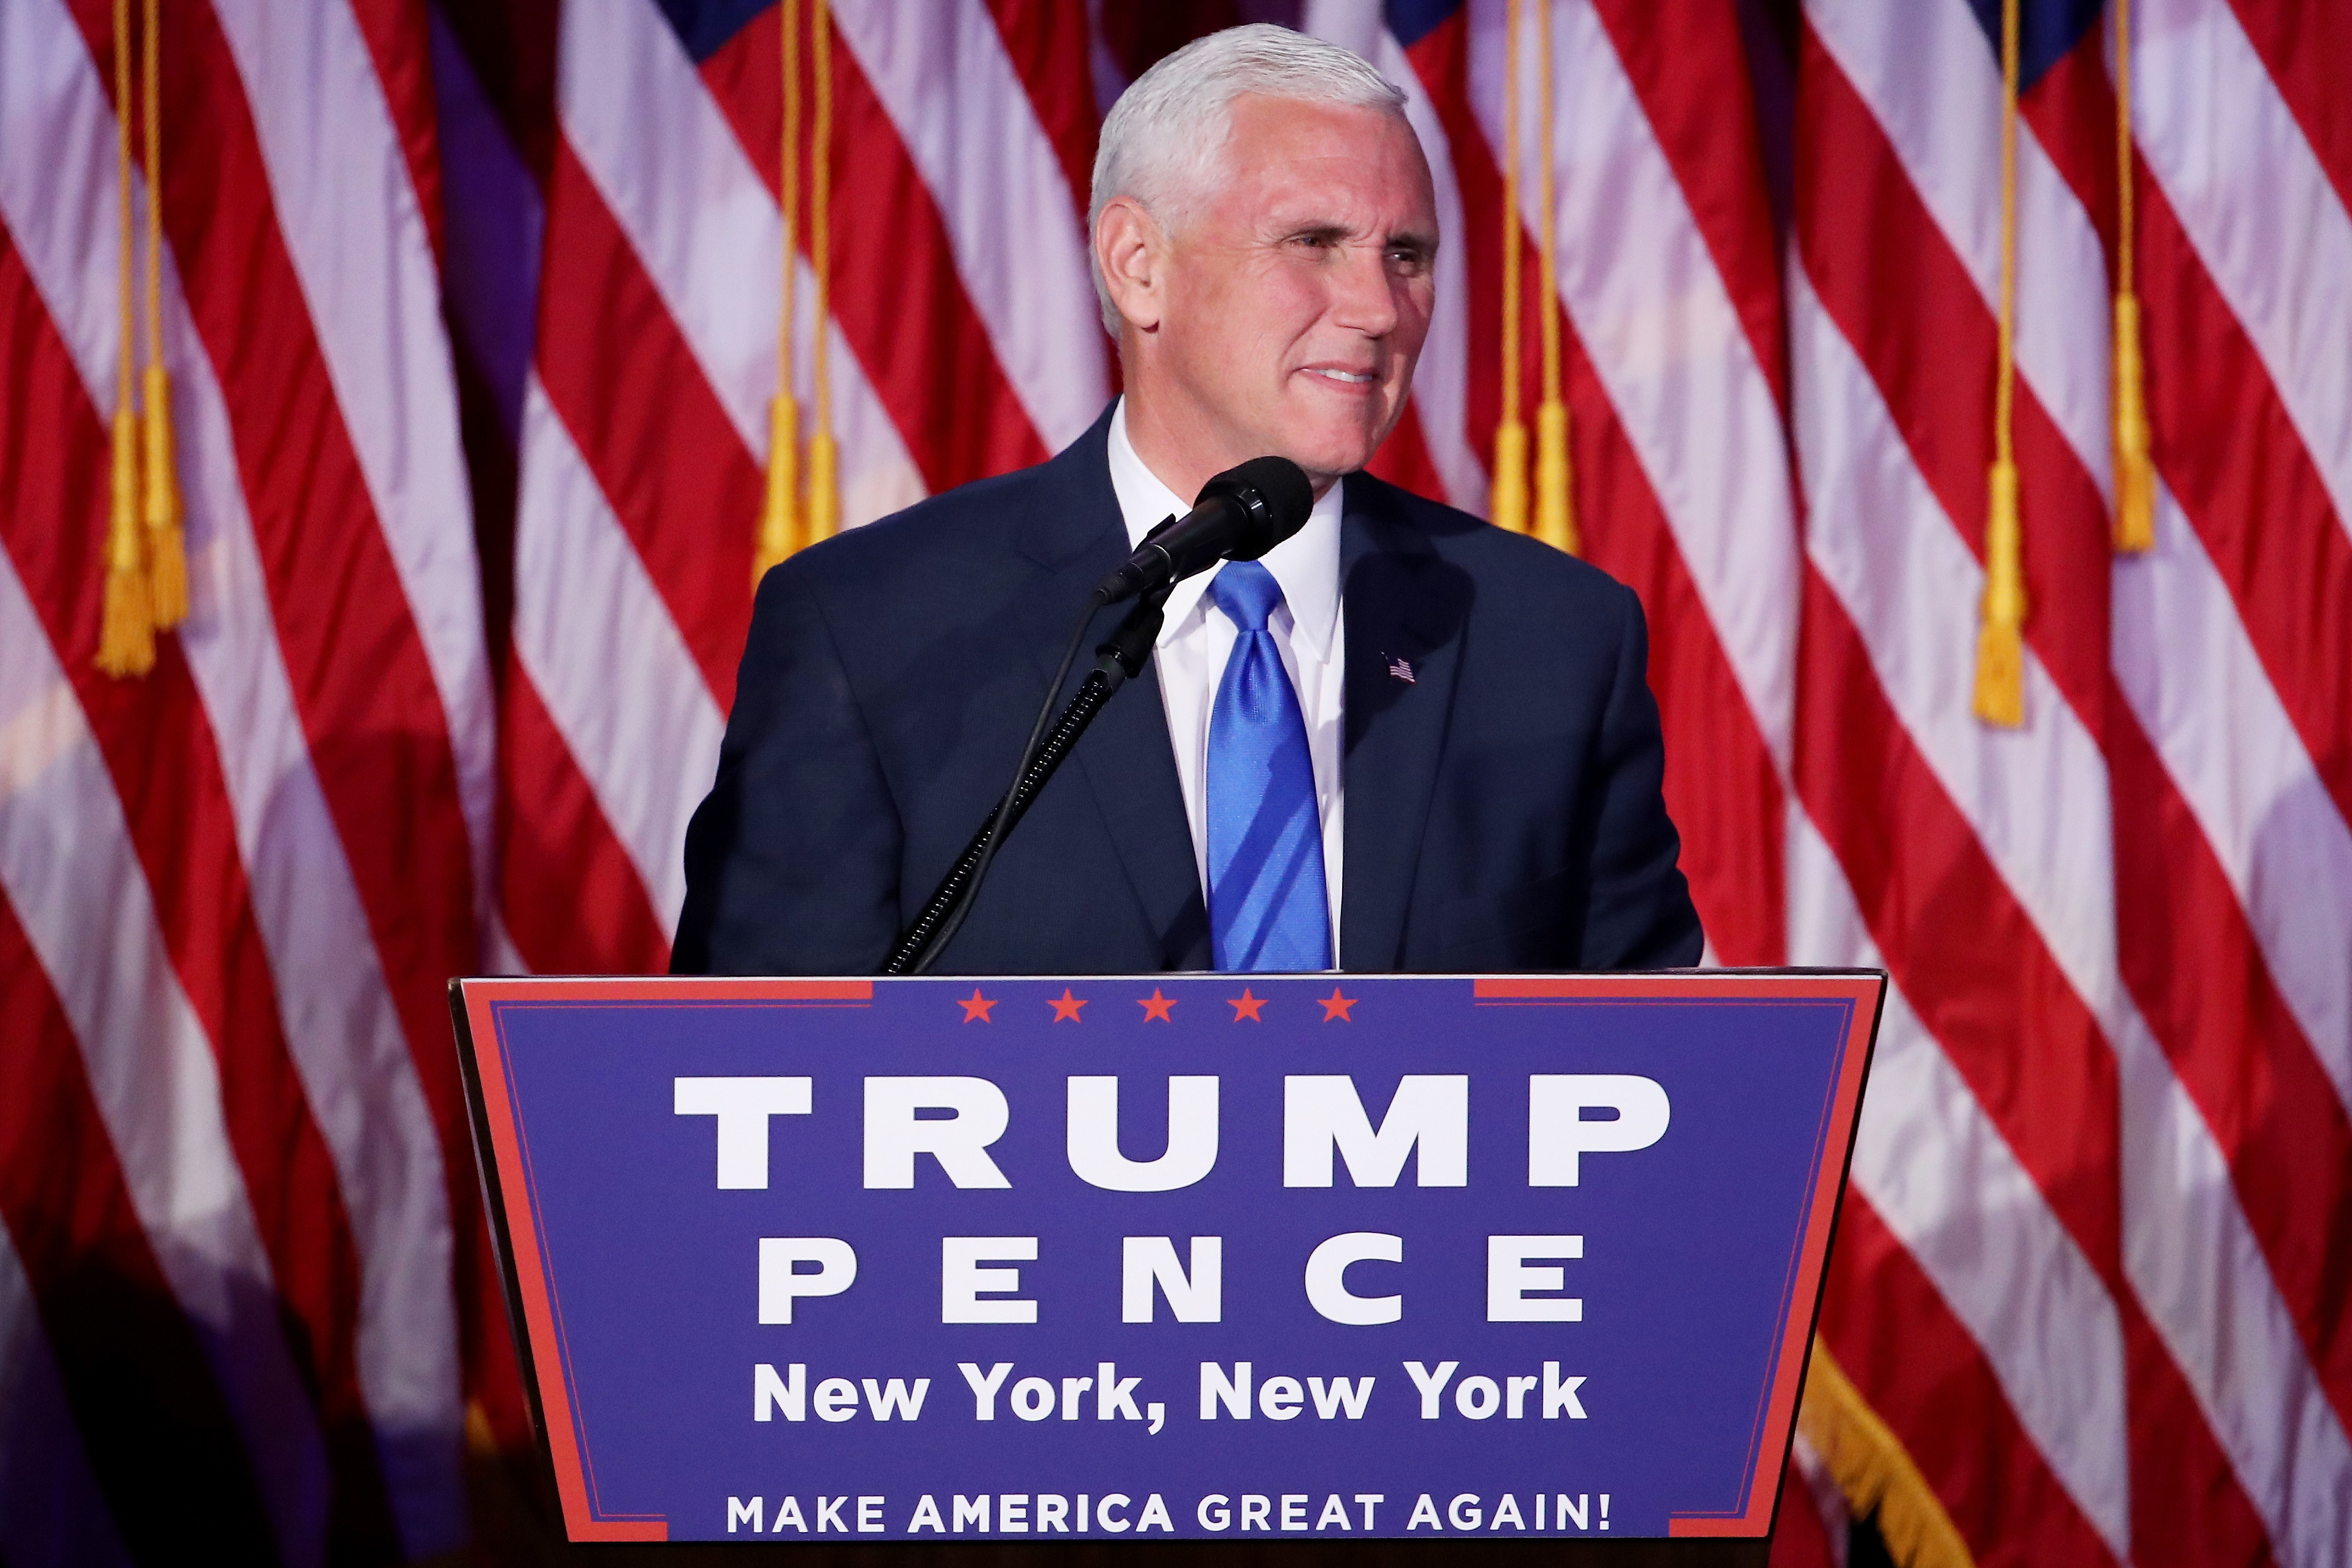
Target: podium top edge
(847,986)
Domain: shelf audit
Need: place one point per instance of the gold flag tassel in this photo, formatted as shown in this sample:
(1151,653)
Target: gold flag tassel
(2000,643)
(2135,471)
(167,550)
(1871,1467)
(126,633)
(1555,490)
(780,521)
(1509,504)
(825,457)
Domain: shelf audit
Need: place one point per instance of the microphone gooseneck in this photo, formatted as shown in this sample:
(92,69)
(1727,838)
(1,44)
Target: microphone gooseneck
(1240,515)
(1122,657)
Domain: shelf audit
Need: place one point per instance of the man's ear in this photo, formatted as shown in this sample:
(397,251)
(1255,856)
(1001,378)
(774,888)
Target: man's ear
(1132,253)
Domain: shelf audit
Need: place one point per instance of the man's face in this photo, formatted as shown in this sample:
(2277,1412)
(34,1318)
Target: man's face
(1299,284)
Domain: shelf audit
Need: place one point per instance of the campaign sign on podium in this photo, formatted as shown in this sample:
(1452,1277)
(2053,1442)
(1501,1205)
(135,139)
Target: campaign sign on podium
(1204,1255)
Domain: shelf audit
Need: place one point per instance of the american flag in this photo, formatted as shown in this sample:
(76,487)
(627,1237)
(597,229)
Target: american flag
(471,313)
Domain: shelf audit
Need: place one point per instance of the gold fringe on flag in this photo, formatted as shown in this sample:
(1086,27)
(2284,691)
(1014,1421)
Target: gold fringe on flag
(1508,505)
(825,458)
(167,549)
(126,633)
(1555,502)
(126,636)
(1555,497)
(1872,1469)
(2001,639)
(2135,470)
(167,554)
(780,519)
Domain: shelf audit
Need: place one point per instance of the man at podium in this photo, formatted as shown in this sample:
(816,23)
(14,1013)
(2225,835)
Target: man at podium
(1402,739)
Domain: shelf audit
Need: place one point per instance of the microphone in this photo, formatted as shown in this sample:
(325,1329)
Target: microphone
(1240,515)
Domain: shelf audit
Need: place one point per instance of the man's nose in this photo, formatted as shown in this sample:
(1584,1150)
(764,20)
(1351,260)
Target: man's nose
(1362,292)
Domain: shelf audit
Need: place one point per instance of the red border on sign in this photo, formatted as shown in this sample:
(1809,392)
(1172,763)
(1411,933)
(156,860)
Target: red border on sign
(656,987)
(1828,1171)
(550,1374)
(1674,987)
(567,1444)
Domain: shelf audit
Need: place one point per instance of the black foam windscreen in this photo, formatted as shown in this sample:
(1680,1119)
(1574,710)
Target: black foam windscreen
(1274,492)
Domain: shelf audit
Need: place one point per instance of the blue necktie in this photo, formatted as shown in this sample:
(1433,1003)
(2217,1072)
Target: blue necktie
(1266,904)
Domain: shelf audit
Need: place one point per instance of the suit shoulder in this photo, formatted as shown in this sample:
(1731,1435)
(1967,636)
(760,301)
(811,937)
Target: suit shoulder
(1505,565)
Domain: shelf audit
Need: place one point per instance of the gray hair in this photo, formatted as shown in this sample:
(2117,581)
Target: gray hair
(1164,137)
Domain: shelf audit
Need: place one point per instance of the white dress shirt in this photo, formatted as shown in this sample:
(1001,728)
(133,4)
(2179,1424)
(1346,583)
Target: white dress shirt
(1197,639)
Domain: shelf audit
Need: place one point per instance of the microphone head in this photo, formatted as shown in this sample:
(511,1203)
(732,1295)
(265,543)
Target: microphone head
(1274,497)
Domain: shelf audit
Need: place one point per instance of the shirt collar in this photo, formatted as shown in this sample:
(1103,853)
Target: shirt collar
(1306,565)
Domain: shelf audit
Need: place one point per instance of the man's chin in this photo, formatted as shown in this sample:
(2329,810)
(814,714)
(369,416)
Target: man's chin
(1327,454)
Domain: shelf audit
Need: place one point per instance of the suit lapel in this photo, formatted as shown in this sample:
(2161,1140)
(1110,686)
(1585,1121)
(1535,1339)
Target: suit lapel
(1406,611)
(1125,760)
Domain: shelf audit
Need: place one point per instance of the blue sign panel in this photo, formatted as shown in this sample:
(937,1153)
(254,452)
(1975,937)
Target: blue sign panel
(1198,1256)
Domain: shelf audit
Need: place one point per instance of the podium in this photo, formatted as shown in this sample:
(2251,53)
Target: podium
(1242,1261)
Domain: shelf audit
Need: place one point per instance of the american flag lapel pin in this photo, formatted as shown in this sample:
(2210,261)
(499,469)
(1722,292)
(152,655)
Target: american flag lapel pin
(1398,669)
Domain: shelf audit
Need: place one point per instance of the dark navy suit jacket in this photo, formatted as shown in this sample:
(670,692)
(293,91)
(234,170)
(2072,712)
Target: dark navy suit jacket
(1502,806)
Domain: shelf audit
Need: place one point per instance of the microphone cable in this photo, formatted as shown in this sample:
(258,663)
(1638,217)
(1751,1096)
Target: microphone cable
(900,960)
(1263,502)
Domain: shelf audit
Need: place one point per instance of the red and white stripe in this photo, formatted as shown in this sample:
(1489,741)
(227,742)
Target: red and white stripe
(1679,439)
(1656,314)
(2065,1204)
(640,489)
(1440,391)
(2096,1270)
(242,880)
(666,180)
(1932,1167)
(1015,228)
(2165,1063)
